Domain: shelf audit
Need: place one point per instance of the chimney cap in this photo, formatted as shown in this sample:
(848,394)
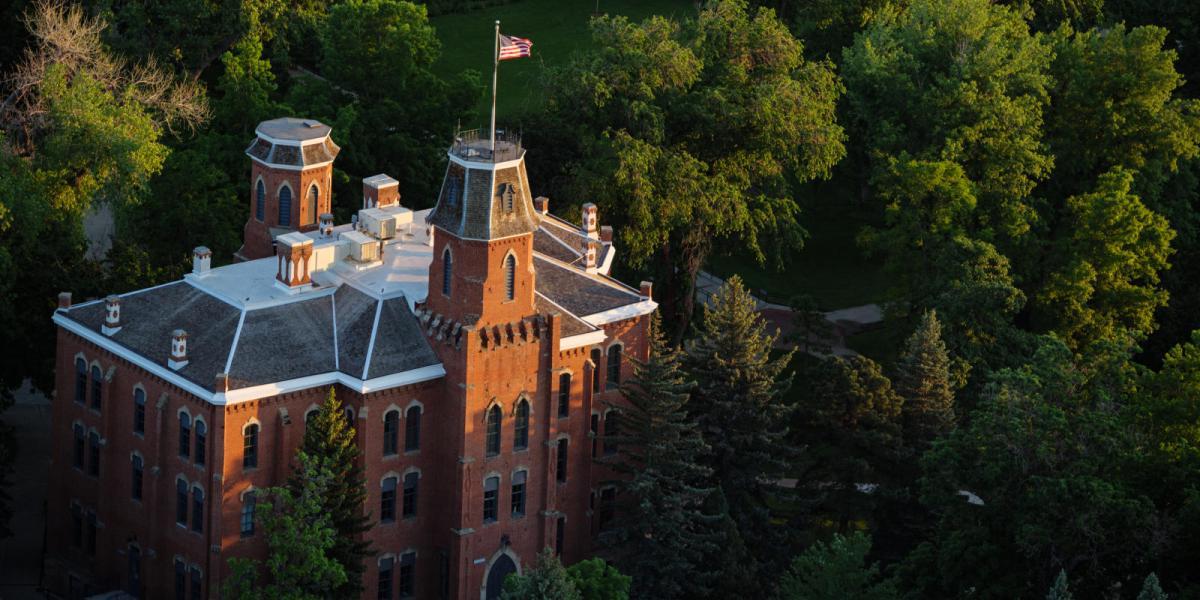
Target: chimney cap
(179,333)
(380,181)
(112,299)
(64,299)
(201,251)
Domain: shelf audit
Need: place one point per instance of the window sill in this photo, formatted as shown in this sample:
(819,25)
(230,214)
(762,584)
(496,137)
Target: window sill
(521,450)
(412,452)
(392,456)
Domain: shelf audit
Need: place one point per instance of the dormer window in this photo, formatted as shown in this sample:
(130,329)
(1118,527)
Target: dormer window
(452,191)
(507,194)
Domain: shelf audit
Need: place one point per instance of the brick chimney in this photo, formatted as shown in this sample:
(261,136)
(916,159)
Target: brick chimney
(646,288)
(64,299)
(606,234)
(293,252)
(591,257)
(201,260)
(326,225)
(179,357)
(112,315)
(380,191)
(541,204)
(588,222)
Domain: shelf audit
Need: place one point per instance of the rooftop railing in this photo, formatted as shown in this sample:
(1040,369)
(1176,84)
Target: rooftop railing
(475,145)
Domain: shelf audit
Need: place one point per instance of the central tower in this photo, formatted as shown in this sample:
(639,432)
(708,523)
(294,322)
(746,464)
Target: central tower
(482,271)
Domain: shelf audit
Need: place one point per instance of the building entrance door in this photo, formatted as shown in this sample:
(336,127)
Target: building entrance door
(495,580)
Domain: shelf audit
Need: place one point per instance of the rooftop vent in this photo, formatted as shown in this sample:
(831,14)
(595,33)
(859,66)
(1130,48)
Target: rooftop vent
(293,251)
(179,357)
(201,260)
(590,257)
(112,315)
(588,220)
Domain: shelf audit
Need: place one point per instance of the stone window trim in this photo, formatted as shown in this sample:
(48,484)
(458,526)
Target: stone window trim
(390,409)
(608,384)
(510,292)
(260,186)
(248,423)
(145,396)
(250,489)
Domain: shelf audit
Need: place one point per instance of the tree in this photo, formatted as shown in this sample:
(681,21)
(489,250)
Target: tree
(547,580)
(686,132)
(300,541)
(597,580)
(812,329)
(1060,590)
(739,405)
(923,380)
(836,570)
(1151,590)
(329,440)
(663,535)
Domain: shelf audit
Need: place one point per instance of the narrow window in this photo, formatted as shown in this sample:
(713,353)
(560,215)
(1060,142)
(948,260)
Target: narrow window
(76,526)
(285,206)
(614,367)
(247,522)
(139,411)
(135,571)
(313,195)
(521,427)
(412,429)
(201,441)
(444,574)
(250,447)
(411,481)
(408,574)
(349,414)
(493,430)
(196,583)
(561,460)
(96,386)
(387,501)
(77,455)
(80,380)
(447,271)
(180,580)
(596,355)
(491,498)
(595,428)
(612,429)
(94,454)
(608,500)
(391,429)
(197,509)
(181,502)
(560,534)
(260,200)
(90,539)
(564,395)
(310,415)
(510,277)
(384,590)
(518,494)
(136,478)
(185,435)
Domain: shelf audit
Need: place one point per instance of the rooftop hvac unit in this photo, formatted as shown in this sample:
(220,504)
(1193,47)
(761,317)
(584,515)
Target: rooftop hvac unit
(363,248)
(378,222)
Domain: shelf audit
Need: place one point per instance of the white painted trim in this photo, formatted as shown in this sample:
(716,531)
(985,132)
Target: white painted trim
(486,166)
(301,143)
(332,317)
(584,339)
(371,344)
(237,335)
(621,313)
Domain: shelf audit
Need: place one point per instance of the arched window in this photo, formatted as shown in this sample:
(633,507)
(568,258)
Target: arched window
(564,395)
(596,355)
(181,501)
(180,579)
(197,579)
(510,277)
(197,509)
(384,586)
(614,366)
(94,454)
(201,441)
(185,435)
(561,460)
(97,379)
(518,493)
(260,200)
(135,478)
(491,499)
(612,428)
(310,415)
(250,446)
(139,410)
(387,501)
(313,195)
(507,194)
(77,455)
(349,413)
(80,380)
(521,428)
(493,430)
(595,429)
(412,429)
(447,271)
(391,430)
(411,481)
(285,206)
(248,504)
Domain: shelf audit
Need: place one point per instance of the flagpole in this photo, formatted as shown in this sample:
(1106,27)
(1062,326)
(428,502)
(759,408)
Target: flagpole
(495,70)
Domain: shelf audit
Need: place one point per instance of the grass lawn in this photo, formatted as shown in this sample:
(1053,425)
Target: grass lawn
(830,267)
(556,27)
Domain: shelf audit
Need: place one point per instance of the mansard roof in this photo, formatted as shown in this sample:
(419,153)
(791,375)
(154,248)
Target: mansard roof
(485,201)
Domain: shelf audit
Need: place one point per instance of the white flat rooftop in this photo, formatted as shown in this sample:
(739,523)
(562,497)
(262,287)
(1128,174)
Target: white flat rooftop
(404,270)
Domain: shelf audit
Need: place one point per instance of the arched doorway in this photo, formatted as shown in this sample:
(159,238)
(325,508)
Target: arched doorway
(495,579)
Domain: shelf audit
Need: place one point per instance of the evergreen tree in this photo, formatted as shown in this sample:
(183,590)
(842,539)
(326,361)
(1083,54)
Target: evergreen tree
(923,380)
(739,405)
(663,535)
(1151,590)
(1060,590)
(547,580)
(300,540)
(835,571)
(329,439)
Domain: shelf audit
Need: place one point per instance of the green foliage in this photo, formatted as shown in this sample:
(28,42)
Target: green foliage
(663,536)
(834,571)
(923,380)
(330,441)
(812,330)
(547,580)
(1151,590)
(597,580)
(300,540)
(1060,590)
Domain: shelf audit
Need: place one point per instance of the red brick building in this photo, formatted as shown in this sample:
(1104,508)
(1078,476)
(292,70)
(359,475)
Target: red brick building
(477,346)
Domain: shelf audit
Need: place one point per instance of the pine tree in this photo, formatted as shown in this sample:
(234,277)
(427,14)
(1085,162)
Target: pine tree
(547,580)
(300,540)
(739,405)
(923,380)
(663,535)
(329,439)
(1151,590)
(1060,589)
(835,571)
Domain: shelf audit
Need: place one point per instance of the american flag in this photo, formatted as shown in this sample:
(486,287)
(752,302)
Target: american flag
(514,47)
